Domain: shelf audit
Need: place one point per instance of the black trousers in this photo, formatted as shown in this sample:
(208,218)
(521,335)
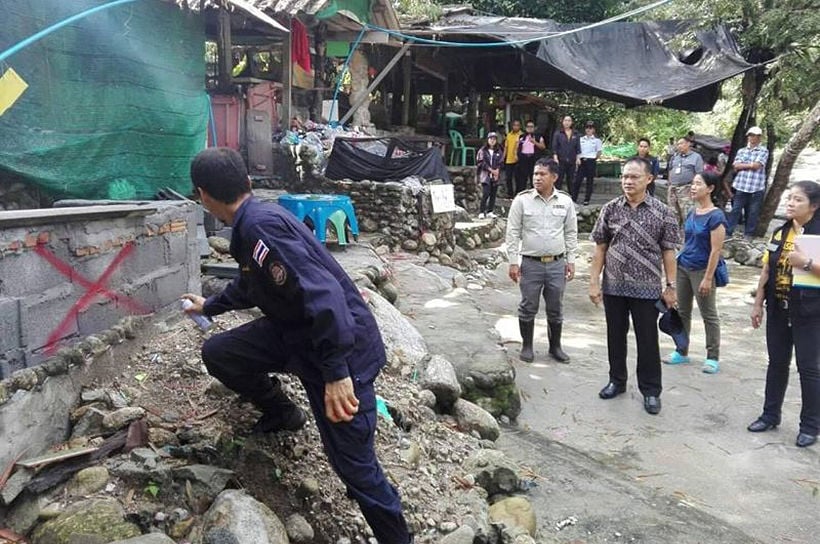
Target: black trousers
(782,334)
(586,170)
(566,171)
(523,179)
(510,174)
(488,191)
(645,319)
(241,358)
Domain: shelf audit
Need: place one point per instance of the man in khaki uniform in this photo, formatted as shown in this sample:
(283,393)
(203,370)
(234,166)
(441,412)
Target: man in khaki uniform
(542,229)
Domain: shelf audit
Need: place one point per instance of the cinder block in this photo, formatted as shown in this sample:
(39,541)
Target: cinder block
(161,288)
(101,315)
(40,315)
(148,256)
(177,246)
(28,273)
(9,324)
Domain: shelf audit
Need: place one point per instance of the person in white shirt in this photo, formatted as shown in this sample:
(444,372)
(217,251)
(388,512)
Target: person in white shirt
(591,147)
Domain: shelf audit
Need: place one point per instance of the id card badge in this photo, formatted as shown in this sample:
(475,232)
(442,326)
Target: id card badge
(677,170)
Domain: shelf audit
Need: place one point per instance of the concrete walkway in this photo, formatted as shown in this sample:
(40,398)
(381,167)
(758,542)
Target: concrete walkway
(692,474)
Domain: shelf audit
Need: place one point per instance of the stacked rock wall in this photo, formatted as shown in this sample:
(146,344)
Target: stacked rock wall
(404,219)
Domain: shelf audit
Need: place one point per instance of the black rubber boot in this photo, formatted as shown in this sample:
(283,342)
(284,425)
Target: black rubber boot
(279,413)
(554,335)
(527,328)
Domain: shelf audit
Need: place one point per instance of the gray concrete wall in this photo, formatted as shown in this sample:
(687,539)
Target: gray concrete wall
(35,297)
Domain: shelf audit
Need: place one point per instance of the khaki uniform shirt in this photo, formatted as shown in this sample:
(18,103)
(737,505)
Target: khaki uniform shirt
(538,226)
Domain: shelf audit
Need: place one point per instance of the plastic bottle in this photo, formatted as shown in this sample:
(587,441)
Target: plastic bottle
(202,321)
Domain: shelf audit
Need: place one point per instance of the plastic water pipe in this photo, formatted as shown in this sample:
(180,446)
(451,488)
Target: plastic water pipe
(45,32)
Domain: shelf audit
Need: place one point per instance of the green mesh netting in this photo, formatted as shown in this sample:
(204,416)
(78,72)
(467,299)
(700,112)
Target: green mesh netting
(115,105)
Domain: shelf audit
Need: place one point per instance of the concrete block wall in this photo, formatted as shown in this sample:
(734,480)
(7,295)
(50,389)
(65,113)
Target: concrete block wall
(155,248)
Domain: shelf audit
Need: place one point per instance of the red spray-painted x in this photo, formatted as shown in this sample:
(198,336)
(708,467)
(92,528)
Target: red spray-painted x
(92,290)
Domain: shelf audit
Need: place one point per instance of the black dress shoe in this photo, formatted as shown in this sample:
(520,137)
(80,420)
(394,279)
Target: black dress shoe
(652,405)
(611,390)
(804,440)
(759,426)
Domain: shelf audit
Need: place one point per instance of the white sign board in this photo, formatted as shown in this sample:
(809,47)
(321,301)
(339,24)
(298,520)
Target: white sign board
(443,198)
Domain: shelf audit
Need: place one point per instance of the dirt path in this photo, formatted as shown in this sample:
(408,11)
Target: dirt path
(691,474)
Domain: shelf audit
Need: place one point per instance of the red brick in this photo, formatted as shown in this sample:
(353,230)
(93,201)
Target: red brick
(44,238)
(31,240)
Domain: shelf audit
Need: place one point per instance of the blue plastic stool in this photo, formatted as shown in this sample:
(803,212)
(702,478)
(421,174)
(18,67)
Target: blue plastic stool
(321,209)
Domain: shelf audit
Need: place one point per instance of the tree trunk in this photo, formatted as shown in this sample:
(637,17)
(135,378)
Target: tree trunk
(782,173)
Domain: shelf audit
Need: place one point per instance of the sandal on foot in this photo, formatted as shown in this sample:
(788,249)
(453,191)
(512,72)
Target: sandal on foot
(710,366)
(675,358)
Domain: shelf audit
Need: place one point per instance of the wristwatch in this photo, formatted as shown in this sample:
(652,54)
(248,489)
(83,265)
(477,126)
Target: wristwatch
(807,266)
(670,285)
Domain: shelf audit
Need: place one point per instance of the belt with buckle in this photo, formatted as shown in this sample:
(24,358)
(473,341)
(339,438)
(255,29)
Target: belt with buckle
(545,258)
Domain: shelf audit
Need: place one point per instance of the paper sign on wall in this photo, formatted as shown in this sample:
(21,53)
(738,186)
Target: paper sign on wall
(443,198)
(12,87)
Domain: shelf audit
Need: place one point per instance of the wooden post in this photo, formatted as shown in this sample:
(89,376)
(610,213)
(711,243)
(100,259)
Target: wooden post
(224,46)
(444,94)
(319,45)
(405,96)
(287,77)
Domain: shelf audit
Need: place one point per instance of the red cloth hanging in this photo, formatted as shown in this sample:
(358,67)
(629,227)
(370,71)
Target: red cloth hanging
(299,44)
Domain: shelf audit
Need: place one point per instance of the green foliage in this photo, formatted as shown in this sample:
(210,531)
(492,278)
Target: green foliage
(619,125)
(565,11)
(152,489)
(788,30)
(425,9)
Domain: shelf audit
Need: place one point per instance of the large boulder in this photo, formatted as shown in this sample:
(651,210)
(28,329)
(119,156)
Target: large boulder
(514,512)
(439,376)
(246,519)
(488,380)
(493,471)
(91,521)
(404,345)
(471,417)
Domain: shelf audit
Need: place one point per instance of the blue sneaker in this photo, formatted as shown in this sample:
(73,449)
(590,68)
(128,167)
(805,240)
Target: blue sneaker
(675,358)
(710,366)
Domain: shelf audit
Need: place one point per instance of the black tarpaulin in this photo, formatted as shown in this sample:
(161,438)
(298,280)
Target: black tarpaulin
(671,63)
(384,159)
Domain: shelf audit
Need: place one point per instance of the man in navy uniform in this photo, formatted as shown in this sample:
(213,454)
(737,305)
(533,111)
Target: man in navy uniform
(315,325)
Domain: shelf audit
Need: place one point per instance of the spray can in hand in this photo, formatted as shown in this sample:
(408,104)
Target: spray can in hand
(203,322)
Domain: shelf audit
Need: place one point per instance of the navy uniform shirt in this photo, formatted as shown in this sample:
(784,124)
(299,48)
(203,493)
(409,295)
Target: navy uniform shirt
(293,279)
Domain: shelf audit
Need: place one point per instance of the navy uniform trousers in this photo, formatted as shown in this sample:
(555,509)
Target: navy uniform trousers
(242,358)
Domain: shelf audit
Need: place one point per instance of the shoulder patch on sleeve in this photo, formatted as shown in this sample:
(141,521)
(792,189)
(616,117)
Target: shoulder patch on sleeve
(260,251)
(278,273)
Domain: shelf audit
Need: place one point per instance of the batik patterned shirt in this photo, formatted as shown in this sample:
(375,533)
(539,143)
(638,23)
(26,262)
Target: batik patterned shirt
(636,239)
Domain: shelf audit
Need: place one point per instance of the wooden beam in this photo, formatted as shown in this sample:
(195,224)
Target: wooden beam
(373,36)
(287,76)
(429,71)
(225,63)
(378,79)
(405,95)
